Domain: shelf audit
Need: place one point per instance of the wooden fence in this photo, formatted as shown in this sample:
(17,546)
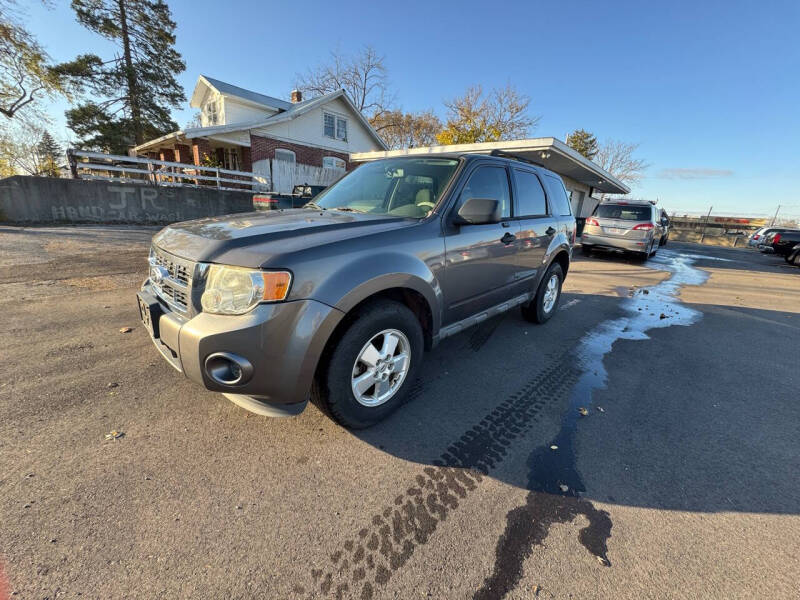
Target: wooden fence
(134,169)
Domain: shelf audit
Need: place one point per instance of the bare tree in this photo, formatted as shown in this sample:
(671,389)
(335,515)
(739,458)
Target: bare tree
(362,76)
(22,152)
(617,158)
(407,130)
(501,115)
(26,74)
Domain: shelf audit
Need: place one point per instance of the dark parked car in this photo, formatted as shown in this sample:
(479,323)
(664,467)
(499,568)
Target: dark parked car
(350,290)
(784,242)
(300,196)
(765,243)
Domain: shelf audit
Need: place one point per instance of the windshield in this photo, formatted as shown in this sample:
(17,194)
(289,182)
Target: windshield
(626,212)
(400,187)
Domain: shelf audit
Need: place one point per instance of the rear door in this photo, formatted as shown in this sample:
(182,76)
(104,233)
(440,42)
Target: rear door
(560,208)
(538,225)
(481,267)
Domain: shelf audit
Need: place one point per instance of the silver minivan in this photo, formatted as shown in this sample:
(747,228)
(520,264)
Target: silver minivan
(630,225)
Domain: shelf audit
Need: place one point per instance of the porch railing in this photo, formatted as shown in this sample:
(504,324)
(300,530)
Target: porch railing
(133,169)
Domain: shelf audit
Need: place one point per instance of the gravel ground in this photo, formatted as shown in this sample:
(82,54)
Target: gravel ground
(680,481)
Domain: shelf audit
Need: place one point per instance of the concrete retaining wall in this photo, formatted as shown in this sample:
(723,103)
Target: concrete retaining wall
(52,200)
(711,238)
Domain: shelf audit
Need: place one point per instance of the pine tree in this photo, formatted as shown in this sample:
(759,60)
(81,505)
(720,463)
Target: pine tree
(137,87)
(49,154)
(583,142)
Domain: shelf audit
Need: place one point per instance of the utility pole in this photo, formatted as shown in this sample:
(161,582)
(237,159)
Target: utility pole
(776,215)
(703,235)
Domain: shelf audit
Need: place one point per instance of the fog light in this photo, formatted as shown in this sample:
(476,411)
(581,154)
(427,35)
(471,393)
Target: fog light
(228,369)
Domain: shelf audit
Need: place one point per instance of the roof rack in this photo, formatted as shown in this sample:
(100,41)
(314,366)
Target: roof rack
(628,201)
(512,156)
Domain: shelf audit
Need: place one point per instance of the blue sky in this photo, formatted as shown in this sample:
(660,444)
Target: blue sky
(709,89)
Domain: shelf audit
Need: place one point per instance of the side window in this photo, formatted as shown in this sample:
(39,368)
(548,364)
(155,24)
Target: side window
(284,155)
(332,162)
(558,196)
(489,182)
(530,195)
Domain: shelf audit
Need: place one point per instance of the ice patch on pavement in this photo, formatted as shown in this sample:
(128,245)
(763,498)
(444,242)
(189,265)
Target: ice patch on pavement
(651,307)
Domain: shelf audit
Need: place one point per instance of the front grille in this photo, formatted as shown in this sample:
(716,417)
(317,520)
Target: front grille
(176,288)
(179,270)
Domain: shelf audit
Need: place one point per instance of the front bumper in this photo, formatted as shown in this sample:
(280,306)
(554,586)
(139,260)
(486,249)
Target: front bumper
(618,243)
(282,342)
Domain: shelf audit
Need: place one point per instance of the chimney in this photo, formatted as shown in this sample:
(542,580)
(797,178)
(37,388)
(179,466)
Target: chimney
(297,96)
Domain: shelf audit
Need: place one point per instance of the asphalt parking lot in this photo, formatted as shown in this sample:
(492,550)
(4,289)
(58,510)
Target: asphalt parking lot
(679,482)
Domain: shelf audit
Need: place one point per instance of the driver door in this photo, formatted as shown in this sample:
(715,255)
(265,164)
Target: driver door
(481,267)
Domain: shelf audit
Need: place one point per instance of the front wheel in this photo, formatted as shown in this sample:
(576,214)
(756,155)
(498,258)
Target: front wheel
(368,374)
(544,304)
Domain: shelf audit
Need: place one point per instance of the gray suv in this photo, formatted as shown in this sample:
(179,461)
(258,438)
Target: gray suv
(633,226)
(347,292)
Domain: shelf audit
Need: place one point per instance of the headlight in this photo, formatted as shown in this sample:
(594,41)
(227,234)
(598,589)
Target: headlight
(234,290)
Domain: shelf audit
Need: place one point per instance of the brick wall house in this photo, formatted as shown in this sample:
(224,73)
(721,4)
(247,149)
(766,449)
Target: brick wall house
(245,131)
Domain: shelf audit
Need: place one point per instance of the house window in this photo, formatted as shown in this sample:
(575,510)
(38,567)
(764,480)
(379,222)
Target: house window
(284,155)
(211,113)
(334,127)
(331,162)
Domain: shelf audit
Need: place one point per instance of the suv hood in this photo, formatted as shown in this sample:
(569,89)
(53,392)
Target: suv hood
(252,239)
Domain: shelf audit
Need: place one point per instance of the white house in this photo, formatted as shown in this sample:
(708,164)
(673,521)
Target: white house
(247,131)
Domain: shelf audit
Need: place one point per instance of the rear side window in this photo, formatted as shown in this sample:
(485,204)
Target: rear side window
(530,195)
(489,182)
(558,196)
(626,212)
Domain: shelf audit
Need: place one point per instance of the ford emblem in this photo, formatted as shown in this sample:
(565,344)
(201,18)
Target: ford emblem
(158,274)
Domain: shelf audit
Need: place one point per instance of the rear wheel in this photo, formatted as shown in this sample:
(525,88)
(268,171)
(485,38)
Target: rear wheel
(544,304)
(368,374)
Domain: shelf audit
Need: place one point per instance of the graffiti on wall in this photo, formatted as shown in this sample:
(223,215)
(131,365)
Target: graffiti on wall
(141,204)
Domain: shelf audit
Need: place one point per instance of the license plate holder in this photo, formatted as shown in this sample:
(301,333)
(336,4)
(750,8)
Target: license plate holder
(149,312)
(614,230)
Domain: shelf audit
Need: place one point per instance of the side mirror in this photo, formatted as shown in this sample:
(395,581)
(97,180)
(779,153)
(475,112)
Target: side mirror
(479,211)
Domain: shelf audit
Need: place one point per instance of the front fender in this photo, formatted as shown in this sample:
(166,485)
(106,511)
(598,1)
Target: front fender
(356,281)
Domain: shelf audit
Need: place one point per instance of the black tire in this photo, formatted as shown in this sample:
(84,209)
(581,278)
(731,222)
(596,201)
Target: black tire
(664,240)
(586,250)
(534,311)
(335,380)
(786,258)
(653,249)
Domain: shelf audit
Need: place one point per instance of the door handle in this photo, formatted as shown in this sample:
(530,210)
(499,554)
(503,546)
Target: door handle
(508,238)
(550,231)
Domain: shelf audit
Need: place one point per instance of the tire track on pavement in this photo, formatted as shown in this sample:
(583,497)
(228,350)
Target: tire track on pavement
(367,560)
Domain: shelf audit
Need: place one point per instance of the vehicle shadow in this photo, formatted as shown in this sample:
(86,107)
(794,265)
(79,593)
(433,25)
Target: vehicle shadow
(505,401)
(479,394)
